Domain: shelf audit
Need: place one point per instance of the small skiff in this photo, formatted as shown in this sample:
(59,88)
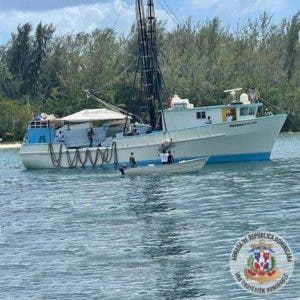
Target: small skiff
(184,166)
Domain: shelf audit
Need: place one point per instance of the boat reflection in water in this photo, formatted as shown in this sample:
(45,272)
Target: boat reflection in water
(175,269)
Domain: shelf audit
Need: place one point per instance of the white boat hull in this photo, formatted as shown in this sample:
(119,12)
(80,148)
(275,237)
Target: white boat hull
(187,166)
(222,142)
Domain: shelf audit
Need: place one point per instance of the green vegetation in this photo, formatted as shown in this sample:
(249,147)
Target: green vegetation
(42,72)
(14,118)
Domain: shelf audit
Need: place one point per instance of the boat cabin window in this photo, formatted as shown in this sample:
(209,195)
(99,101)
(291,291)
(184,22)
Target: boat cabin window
(252,111)
(201,115)
(39,124)
(244,111)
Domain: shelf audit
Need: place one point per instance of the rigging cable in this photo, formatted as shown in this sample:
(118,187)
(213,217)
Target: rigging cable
(117,19)
(133,85)
(115,78)
(274,106)
(169,12)
(110,105)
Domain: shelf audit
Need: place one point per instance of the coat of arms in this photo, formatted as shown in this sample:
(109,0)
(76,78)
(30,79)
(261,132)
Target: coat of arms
(262,263)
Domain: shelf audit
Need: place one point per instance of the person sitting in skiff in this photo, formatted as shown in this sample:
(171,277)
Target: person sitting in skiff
(170,158)
(132,161)
(164,157)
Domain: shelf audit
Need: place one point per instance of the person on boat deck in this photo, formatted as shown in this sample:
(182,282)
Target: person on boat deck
(268,113)
(124,130)
(170,158)
(229,118)
(208,121)
(60,136)
(132,161)
(135,130)
(164,157)
(254,94)
(90,136)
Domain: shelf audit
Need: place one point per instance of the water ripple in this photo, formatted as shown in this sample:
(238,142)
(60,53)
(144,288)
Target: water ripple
(89,234)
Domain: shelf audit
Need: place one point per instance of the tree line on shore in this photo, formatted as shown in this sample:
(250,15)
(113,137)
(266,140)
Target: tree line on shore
(41,71)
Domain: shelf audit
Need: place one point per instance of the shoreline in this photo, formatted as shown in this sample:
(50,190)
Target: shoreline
(15,145)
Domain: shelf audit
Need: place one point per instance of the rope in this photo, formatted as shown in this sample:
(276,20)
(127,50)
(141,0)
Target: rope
(74,160)
(100,158)
(165,146)
(274,106)
(55,160)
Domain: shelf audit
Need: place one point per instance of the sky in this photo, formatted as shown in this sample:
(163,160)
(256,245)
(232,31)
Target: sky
(86,15)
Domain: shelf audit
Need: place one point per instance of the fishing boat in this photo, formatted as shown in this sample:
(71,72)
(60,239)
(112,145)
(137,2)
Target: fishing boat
(237,131)
(184,166)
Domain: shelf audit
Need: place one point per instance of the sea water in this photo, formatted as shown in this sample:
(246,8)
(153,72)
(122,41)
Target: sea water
(92,234)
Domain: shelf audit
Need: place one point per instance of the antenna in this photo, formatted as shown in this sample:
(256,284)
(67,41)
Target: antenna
(232,92)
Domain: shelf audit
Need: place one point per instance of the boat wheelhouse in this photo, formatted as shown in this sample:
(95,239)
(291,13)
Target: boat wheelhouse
(183,114)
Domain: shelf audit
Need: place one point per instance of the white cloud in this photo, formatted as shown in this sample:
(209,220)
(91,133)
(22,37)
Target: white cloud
(75,19)
(240,8)
(204,4)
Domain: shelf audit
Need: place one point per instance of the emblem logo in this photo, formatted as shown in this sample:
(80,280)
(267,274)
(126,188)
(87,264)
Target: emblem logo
(261,262)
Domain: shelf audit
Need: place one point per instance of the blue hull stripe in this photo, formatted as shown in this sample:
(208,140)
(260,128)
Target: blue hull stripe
(239,157)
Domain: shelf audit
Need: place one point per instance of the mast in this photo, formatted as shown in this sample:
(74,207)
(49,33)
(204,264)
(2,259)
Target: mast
(156,76)
(150,72)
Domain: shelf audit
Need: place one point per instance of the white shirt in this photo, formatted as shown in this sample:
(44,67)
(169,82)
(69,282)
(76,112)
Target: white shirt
(164,157)
(228,118)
